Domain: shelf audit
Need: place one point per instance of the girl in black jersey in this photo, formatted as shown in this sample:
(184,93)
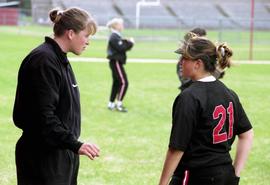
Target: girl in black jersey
(116,53)
(206,118)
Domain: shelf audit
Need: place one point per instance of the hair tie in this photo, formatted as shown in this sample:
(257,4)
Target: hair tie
(60,12)
(222,50)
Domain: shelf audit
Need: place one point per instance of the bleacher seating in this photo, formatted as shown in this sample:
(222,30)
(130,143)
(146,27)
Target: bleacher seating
(102,10)
(204,15)
(262,12)
(156,16)
(209,14)
(129,10)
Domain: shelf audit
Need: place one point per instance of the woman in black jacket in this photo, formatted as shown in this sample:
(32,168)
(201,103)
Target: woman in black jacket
(47,105)
(116,53)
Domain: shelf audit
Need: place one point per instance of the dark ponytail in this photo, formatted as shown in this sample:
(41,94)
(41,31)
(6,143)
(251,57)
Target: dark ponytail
(224,54)
(55,15)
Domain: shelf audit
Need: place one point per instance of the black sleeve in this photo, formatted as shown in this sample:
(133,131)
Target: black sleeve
(184,121)
(243,124)
(119,44)
(46,81)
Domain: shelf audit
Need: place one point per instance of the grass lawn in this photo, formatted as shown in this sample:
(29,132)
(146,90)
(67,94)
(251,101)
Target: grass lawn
(156,43)
(133,145)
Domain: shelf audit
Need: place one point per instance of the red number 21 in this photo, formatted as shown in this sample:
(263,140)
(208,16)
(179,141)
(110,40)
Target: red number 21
(220,113)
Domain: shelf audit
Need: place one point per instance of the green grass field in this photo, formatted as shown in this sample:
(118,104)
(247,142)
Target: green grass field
(133,145)
(157,43)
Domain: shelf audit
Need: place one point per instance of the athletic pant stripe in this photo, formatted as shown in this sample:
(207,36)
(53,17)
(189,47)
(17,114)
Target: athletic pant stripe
(122,79)
(186,177)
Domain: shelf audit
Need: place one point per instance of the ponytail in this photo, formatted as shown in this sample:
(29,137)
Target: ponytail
(224,54)
(55,15)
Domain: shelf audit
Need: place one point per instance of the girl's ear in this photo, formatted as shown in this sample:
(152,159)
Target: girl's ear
(70,34)
(200,61)
(198,64)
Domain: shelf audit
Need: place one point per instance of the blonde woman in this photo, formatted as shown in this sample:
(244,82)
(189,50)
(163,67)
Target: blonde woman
(47,105)
(207,116)
(116,53)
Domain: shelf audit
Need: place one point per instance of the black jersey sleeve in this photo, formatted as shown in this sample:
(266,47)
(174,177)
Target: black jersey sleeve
(185,112)
(243,123)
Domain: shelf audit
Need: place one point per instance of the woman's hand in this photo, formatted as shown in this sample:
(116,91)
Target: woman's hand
(131,39)
(90,150)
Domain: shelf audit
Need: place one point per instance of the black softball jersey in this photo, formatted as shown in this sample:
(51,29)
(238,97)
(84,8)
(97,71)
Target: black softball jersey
(47,109)
(206,118)
(117,47)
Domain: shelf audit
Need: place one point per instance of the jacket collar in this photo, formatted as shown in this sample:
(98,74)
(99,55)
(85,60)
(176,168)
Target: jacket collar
(116,32)
(62,55)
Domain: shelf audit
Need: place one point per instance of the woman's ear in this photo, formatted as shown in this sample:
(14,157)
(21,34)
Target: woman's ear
(198,64)
(70,34)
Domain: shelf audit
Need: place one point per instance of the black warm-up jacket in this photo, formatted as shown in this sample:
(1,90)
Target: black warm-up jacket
(47,103)
(117,48)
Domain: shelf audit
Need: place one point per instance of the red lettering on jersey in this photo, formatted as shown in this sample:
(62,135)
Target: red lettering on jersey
(221,114)
(231,120)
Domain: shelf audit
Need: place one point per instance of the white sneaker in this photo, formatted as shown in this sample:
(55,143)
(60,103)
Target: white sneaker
(121,109)
(111,107)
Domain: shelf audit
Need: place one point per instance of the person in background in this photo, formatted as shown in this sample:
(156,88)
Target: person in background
(47,105)
(207,116)
(185,82)
(116,53)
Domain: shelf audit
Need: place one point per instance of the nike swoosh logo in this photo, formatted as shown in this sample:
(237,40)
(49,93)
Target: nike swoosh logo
(74,85)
